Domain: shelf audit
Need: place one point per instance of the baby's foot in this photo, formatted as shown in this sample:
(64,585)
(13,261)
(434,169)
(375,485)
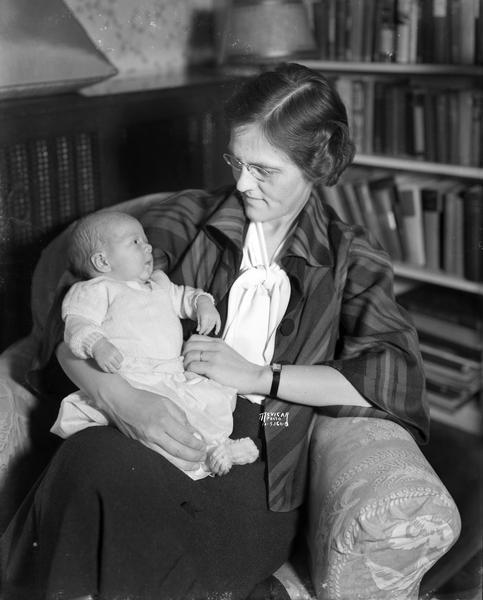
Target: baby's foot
(231,452)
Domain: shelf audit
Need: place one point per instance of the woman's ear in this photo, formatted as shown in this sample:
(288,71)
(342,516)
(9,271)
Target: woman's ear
(100,262)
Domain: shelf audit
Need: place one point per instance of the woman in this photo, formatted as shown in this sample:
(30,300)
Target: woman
(309,325)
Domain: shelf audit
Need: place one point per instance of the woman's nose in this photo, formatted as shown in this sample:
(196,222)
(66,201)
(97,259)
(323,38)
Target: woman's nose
(148,248)
(245,181)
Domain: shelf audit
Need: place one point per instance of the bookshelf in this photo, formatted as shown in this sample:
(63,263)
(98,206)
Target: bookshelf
(458,172)
(428,56)
(419,166)
(392,68)
(437,278)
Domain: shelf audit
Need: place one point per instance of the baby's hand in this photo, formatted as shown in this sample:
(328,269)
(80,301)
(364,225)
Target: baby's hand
(208,316)
(107,356)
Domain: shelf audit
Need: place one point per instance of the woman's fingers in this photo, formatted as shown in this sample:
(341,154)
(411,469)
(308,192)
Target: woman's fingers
(214,358)
(173,426)
(182,456)
(177,440)
(163,425)
(200,349)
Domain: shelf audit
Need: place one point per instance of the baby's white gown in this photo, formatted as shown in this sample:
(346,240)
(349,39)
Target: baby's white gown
(143,322)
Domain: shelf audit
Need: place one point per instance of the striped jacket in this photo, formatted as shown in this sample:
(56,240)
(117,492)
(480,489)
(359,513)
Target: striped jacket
(341,313)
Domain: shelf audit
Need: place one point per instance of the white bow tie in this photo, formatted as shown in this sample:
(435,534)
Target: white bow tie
(257,302)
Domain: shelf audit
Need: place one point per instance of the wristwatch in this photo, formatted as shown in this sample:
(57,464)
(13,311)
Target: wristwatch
(276,371)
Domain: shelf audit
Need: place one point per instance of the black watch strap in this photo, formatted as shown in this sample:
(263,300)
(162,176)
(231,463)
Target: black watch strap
(276,371)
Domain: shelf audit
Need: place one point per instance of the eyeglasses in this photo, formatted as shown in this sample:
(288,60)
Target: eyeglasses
(259,173)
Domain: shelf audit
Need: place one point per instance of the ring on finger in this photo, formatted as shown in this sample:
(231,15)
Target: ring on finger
(201,356)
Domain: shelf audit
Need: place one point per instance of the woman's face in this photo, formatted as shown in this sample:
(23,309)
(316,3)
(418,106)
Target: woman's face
(282,193)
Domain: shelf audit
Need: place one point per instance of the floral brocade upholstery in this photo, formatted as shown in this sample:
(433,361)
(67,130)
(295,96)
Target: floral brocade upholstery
(378,516)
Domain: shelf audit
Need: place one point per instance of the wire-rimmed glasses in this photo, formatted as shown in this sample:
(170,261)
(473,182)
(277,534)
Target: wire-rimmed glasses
(259,173)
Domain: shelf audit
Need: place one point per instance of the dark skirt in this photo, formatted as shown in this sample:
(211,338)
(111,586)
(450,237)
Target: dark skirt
(116,520)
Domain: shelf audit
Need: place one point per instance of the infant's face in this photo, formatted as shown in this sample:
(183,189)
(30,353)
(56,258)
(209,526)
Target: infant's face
(128,252)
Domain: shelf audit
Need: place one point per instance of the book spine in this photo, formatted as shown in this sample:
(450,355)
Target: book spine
(341,29)
(368,37)
(476,150)
(353,205)
(459,242)
(451,347)
(321,27)
(368,209)
(442,126)
(397,114)
(356,34)
(332,42)
(452,359)
(344,88)
(467,32)
(426,32)
(430,125)
(432,223)
(368,141)
(403,31)
(455,29)
(453,128)
(447,330)
(358,122)
(419,129)
(465,114)
(412,233)
(448,306)
(414,28)
(473,232)
(452,241)
(379,110)
(441,31)
(478,8)
(385,31)
(333,197)
(383,196)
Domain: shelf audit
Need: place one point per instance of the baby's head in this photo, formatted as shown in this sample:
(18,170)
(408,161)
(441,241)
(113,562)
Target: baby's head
(112,244)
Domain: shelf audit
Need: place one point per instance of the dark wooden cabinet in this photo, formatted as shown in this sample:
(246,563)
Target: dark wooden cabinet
(63,156)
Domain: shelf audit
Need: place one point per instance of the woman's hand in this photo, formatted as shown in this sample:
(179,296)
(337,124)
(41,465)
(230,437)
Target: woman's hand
(155,421)
(214,358)
(161,425)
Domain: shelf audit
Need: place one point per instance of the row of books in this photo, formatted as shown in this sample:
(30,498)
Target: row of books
(430,121)
(401,31)
(422,221)
(450,328)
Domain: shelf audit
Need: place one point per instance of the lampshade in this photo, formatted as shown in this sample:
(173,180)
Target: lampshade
(264,29)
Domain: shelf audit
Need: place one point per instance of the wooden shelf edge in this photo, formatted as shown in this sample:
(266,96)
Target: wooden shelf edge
(438,278)
(420,166)
(394,68)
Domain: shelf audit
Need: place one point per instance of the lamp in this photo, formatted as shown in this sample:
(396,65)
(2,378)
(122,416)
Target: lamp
(251,30)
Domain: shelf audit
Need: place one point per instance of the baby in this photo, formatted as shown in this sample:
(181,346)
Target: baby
(126,317)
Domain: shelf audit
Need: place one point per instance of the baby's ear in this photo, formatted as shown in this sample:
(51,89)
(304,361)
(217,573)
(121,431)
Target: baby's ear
(100,263)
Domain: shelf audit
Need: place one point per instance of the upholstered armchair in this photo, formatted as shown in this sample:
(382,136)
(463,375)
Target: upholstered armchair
(377,519)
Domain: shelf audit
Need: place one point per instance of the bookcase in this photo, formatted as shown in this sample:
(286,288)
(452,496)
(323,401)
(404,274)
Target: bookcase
(417,185)
(428,166)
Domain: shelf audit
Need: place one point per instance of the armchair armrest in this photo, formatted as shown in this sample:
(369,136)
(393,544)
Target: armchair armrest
(16,404)
(378,517)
